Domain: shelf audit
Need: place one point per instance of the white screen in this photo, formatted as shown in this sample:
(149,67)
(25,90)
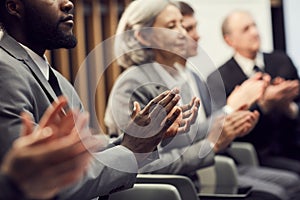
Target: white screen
(292,29)
(210,15)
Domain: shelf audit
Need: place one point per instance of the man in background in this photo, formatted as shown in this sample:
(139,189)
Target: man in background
(274,137)
(248,93)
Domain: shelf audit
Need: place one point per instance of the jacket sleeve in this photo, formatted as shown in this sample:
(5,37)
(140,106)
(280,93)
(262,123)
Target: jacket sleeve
(112,170)
(8,189)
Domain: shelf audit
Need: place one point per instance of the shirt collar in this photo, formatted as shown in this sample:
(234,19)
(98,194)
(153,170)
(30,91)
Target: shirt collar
(41,62)
(247,64)
(170,81)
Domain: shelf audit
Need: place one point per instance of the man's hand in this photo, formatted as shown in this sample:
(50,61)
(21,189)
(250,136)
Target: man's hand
(189,116)
(279,95)
(148,126)
(44,161)
(226,129)
(249,92)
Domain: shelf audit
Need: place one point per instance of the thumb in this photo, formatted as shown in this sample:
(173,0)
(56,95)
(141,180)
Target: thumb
(136,109)
(243,107)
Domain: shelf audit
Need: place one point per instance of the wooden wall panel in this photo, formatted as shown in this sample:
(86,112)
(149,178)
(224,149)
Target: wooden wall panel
(111,22)
(79,54)
(96,72)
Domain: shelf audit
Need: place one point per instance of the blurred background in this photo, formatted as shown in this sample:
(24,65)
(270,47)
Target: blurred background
(96,21)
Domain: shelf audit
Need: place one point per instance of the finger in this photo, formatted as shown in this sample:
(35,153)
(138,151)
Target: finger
(154,101)
(31,140)
(188,106)
(172,98)
(171,120)
(243,107)
(27,124)
(53,112)
(66,123)
(257,76)
(164,107)
(185,128)
(136,109)
(235,117)
(194,116)
(267,78)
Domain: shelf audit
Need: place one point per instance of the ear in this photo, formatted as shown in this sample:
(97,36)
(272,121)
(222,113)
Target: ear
(228,39)
(14,8)
(138,35)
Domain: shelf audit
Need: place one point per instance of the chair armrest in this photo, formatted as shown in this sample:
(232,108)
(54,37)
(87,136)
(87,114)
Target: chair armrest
(148,192)
(226,172)
(183,184)
(244,153)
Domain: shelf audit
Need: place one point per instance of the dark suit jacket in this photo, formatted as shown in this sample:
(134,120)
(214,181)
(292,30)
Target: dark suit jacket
(23,87)
(272,130)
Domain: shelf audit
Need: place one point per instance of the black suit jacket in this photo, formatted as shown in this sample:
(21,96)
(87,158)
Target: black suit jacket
(274,131)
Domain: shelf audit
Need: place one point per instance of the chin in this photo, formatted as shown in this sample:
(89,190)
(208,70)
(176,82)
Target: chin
(193,53)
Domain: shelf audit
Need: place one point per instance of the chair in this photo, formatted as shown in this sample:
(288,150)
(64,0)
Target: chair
(224,171)
(244,153)
(148,192)
(183,184)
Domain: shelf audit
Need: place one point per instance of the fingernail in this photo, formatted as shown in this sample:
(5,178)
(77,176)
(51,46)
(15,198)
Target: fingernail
(175,90)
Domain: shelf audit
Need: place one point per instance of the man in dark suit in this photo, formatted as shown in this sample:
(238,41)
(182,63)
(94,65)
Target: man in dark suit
(260,178)
(279,106)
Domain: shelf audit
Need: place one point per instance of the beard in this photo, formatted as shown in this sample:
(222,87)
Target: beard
(42,31)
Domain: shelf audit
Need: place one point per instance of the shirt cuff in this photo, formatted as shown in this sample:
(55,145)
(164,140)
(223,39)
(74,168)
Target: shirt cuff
(119,158)
(227,109)
(293,110)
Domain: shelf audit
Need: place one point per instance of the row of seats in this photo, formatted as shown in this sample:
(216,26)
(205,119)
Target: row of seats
(175,187)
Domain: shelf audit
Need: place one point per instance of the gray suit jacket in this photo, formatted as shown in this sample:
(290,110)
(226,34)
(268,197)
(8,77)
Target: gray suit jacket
(24,88)
(183,154)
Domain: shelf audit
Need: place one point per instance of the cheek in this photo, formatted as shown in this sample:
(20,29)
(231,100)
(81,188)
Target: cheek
(162,40)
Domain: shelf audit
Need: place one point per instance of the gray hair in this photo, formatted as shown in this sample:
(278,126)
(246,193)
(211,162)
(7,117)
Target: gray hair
(139,15)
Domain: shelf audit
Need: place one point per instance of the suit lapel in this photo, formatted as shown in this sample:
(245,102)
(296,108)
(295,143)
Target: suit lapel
(233,76)
(13,48)
(237,70)
(268,64)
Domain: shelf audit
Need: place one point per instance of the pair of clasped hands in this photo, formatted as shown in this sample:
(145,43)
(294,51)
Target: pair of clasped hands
(56,153)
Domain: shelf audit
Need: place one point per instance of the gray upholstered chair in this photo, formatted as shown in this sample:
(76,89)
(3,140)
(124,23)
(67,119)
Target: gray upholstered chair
(148,192)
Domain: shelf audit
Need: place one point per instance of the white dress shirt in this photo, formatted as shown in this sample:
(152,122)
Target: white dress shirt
(41,62)
(247,64)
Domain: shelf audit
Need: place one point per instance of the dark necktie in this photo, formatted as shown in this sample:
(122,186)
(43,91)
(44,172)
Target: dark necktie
(54,83)
(257,69)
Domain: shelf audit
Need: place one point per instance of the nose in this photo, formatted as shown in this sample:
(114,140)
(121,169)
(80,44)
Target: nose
(67,6)
(182,32)
(254,30)
(195,36)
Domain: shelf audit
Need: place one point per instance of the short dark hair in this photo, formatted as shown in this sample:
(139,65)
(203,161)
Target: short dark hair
(185,8)
(2,10)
